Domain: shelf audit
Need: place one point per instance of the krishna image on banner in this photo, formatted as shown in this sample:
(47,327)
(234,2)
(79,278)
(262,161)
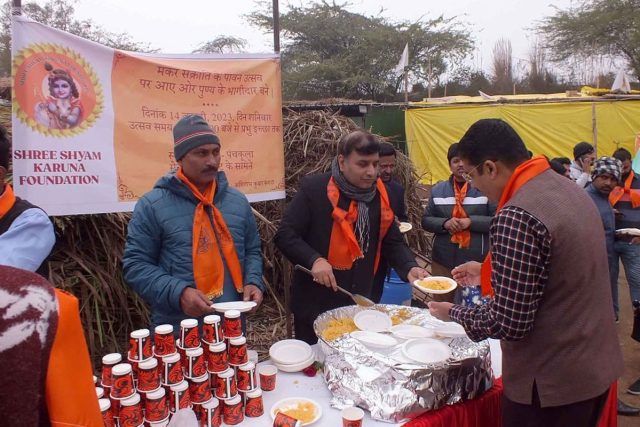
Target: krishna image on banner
(56,91)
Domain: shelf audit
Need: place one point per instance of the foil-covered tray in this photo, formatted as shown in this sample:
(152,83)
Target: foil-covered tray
(389,386)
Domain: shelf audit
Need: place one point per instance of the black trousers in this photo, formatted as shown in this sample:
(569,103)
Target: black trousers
(580,414)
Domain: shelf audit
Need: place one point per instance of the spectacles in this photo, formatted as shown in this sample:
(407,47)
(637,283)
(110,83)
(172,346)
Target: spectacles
(468,177)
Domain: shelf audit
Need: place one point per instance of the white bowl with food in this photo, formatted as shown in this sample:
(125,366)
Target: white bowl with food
(305,410)
(435,285)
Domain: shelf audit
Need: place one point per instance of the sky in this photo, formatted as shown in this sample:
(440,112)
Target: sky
(181,26)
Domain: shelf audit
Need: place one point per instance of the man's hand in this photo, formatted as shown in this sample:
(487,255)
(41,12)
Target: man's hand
(585,163)
(252,293)
(467,274)
(465,223)
(452,225)
(323,273)
(440,310)
(635,241)
(417,273)
(194,303)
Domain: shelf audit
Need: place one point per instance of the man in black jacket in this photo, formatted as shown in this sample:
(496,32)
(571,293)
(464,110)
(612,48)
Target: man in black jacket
(394,188)
(338,225)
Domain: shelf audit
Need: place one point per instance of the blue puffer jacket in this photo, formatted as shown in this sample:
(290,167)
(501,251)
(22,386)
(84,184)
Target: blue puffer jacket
(157,258)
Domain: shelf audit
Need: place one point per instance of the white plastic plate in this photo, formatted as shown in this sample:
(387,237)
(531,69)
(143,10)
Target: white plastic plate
(241,306)
(372,320)
(629,231)
(420,284)
(290,352)
(426,350)
(405,226)
(450,330)
(408,332)
(292,402)
(374,339)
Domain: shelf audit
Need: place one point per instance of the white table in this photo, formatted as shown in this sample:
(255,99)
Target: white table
(299,385)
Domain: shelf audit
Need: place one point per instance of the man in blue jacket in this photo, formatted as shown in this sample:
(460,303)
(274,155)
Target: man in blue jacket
(193,239)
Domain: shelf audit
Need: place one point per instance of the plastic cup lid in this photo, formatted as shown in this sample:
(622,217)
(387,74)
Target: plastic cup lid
(247,366)
(172,358)
(238,341)
(104,404)
(219,346)
(99,392)
(200,379)
(232,314)
(211,403)
(181,386)
(212,318)
(133,400)
(233,401)
(140,333)
(226,373)
(111,359)
(254,393)
(156,394)
(164,329)
(95,379)
(189,323)
(121,369)
(148,364)
(194,352)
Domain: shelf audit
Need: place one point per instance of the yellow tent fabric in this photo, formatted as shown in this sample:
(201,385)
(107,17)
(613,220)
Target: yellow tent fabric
(551,129)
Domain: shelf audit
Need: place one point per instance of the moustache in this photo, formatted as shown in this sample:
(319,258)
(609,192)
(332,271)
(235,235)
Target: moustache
(209,169)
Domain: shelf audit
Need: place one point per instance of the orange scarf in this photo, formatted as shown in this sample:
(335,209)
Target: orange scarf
(462,238)
(618,192)
(208,268)
(523,174)
(7,200)
(343,246)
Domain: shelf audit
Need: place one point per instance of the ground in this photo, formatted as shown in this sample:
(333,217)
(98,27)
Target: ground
(631,352)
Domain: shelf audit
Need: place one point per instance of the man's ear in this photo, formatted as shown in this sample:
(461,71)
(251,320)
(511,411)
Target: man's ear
(492,168)
(341,161)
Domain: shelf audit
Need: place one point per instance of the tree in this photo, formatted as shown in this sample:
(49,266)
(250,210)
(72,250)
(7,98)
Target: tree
(502,66)
(60,14)
(223,44)
(329,51)
(608,28)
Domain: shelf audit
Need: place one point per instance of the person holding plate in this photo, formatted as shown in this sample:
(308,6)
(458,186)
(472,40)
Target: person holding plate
(547,276)
(339,225)
(193,239)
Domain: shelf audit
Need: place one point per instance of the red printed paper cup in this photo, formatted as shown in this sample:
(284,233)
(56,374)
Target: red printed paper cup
(212,413)
(254,406)
(232,411)
(156,408)
(140,345)
(172,369)
(212,329)
(352,417)
(246,377)
(232,325)
(268,377)
(238,351)
(123,386)
(218,359)
(284,420)
(108,362)
(189,333)
(107,414)
(179,397)
(115,407)
(226,387)
(195,366)
(164,343)
(148,376)
(199,389)
(131,412)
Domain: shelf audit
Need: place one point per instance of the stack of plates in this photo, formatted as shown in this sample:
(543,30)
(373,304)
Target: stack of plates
(291,355)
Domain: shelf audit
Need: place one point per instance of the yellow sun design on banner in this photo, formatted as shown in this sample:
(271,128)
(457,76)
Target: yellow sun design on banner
(55,90)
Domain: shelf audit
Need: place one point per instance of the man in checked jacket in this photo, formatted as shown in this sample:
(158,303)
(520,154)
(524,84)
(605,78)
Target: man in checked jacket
(551,297)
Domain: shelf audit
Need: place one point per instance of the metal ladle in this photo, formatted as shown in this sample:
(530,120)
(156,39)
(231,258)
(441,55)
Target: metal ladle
(358,299)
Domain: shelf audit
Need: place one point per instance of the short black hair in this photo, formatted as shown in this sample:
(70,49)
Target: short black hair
(492,139)
(622,154)
(361,141)
(562,160)
(557,166)
(453,151)
(387,149)
(5,148)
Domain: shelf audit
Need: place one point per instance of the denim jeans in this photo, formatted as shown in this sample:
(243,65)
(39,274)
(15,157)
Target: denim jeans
(630,256)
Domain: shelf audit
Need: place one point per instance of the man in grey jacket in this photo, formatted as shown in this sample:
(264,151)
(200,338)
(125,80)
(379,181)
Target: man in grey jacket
(459,216)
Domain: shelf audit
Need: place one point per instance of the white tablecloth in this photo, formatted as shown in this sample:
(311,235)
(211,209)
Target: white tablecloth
(299,385)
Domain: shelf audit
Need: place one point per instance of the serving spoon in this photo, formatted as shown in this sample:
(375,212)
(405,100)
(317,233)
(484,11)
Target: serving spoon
(358,299)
